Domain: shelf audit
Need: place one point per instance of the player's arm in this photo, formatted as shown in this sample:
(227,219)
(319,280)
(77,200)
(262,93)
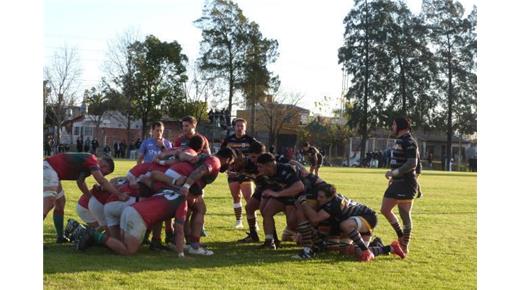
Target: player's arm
(107,185)
(205,148)
(314,217)
(293,190)
(83,186)
(300,167)
(194,176)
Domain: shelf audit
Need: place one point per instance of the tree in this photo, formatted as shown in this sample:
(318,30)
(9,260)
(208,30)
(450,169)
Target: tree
(63,79)
(223,47)
(363,55)
(98,105)
(278,113)
(454,40)
(258,80)
(159,76)
(120,84)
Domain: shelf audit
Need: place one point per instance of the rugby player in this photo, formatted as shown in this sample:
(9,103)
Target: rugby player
(354,219)
(137,218)
(72,166)
(402,177)
(280,188)
(239,184)
(314,156)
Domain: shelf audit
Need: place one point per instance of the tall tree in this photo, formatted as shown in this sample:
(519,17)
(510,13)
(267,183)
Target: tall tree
(98,106)
(120,84)
(223,47)
(363,55)
(258,80)
(63,75)
(159,76)
(454,40)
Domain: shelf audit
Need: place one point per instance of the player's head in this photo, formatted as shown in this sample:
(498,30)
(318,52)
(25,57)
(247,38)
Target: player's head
(227,157)
(266,164)
(325,192)
(256,149)
(306,145)
(157,130)
(240,126)
(400,124)
(106,164)
(189,123)
(195,143)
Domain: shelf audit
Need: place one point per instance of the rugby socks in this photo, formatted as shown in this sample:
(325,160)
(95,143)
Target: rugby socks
(238,210)
(358,241)
(397,228)
(407,235)
(380,250)
(57,217)
(100,238)
(305,230)
(251,221)
(195,243)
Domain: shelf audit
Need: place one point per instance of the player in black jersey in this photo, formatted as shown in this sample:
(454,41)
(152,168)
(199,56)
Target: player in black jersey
(239,184)
(279,186)
(402,177)
(314,156)
(352,218)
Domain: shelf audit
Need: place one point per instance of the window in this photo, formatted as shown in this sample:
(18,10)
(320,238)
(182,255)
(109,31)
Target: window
(88,131)
(76,131)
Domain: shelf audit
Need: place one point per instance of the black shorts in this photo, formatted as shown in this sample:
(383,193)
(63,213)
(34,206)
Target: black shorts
(257,194)
(239,178)
(317,162)
(402,189)
(370,218)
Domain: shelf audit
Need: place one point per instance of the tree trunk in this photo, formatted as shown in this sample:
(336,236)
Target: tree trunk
(450,104)
(364,125)
(402,84)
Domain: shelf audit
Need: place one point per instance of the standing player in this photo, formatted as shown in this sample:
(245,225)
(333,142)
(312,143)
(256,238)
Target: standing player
(402,181)
(72,166)
(189,126)
(314,156)
(154,145)
(239,184)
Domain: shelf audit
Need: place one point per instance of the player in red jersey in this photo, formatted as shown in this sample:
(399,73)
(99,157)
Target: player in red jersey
(189,126)
(72,166)
(196,178)
(137,218)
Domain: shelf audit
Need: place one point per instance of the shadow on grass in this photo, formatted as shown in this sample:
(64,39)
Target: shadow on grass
(64,259)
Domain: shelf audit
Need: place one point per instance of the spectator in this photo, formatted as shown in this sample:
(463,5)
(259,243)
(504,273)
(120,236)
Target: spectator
(106,150)
(137,143)
(430,159)
(95,145)
(122,149)
(116,149)
(86,146)
(79,144)
(47,147)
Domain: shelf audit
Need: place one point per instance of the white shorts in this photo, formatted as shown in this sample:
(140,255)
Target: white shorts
(51,181)
(96,208)
(84,214)
(132,223)
(114,209)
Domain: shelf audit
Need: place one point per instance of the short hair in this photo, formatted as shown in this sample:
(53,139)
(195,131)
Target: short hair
(196,142)
(328,189)
(402,123)
(265,158)
(157,124)
(257,147)
(239,120)
(226,153)
(306,144)
(109,162)
(190,119)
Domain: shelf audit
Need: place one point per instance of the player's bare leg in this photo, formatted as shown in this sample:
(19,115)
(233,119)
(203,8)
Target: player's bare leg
(271,208)
(234,188)
(58,216)
(386,209)
(405,211)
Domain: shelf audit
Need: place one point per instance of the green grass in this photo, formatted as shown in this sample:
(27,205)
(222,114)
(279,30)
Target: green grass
(443,249)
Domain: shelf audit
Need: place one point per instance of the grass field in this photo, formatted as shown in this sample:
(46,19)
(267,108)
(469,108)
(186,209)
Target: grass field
(443,251)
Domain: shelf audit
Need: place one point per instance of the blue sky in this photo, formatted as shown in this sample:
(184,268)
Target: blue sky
(309,35)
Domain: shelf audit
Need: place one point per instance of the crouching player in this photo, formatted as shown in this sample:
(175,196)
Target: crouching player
(137,218)
(354,219)
(72,166)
